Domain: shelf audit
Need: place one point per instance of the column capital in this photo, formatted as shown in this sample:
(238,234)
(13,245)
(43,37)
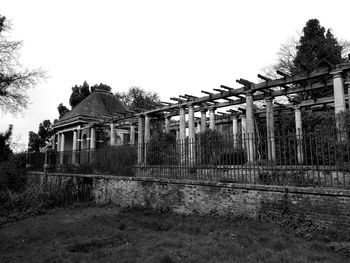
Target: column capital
(297,107)
(337,73)
(347,78)
(203,110)
(269,98)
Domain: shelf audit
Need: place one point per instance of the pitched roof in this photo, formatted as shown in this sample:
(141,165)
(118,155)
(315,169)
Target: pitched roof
(98,104)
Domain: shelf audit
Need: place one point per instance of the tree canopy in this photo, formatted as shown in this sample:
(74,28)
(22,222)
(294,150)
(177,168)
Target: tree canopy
(307,53)
(78,94)
(43,138)
(5,141)
(316,48)
(316,45)
(138,99)
(15,80)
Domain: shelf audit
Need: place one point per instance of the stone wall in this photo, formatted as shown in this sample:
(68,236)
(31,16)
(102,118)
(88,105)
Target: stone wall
(225,199)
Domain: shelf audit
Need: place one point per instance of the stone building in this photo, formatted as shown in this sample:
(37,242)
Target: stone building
(80,131)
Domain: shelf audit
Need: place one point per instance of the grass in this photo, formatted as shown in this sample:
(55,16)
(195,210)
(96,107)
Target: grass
(111,234)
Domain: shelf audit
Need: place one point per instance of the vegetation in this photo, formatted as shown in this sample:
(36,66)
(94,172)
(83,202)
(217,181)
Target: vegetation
(5,140)
(15,80)
(111,234)
(162,149)
(43,138)
(317,47)
(139,100)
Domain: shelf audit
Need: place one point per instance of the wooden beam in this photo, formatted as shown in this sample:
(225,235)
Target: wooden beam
(177,99)
(219,90)
(263,77)
(282,73)
(225,87)
(207,92)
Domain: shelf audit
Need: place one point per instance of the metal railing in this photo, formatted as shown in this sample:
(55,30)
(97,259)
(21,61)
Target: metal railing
(320,159)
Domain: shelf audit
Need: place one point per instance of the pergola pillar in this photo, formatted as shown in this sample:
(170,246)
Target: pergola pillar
(270,128)
(112,140)
(339,101)
(147,134)
(347,86)
(140,141)
(235,130)
(191,134)
(182,123)
(74,146)
(182,133)
(212,119)
(132,134)
(250,127)
(299,134)
(203,120)
(244,131)
(167,124)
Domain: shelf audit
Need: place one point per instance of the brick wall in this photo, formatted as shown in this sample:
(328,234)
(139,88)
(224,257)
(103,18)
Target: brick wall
(226,199)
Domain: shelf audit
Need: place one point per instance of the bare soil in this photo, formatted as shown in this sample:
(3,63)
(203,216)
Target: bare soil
(111,234)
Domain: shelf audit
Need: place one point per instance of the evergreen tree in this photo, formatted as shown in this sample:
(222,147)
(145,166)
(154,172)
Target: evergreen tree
(78,94)
(43,138)
(314,46)
(101,86)
(5,139)
(62,110)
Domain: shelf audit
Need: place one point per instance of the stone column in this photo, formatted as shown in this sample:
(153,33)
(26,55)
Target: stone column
(147,135)
(92,138)
(347,86)
(112,141)
(250,127)
(203,120)
(198,127)
(244,131)
(167,124)
(182,132)
(182,123)
(212,119)
(235,130)
(339,100)
(299,134)
(338,88)
(62,149)
(58,142)
(270,128)
(74,146)
(140,141)
(132,134)
(191,134)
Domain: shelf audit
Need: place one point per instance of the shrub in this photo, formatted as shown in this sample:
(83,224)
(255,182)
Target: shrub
(12,173)
(118,160)
(162,149)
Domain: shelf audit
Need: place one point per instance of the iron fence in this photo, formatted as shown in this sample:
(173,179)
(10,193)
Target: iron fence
(320,159)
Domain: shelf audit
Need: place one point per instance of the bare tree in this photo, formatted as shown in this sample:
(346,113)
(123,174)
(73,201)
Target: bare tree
(15,80)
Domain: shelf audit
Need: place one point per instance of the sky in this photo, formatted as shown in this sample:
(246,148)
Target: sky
(170,47)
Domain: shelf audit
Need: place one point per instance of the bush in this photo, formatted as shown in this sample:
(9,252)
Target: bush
(162,149)
(118,160)
(12,173)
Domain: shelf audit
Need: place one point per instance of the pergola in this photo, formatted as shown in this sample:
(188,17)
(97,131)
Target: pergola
(336,76)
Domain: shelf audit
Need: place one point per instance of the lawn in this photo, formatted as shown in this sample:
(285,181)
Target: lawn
(111,234)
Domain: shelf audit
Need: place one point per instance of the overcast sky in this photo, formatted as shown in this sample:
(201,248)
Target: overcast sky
(170,47)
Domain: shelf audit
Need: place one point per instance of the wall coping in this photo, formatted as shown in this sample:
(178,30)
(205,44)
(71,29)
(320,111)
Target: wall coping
(243,186)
